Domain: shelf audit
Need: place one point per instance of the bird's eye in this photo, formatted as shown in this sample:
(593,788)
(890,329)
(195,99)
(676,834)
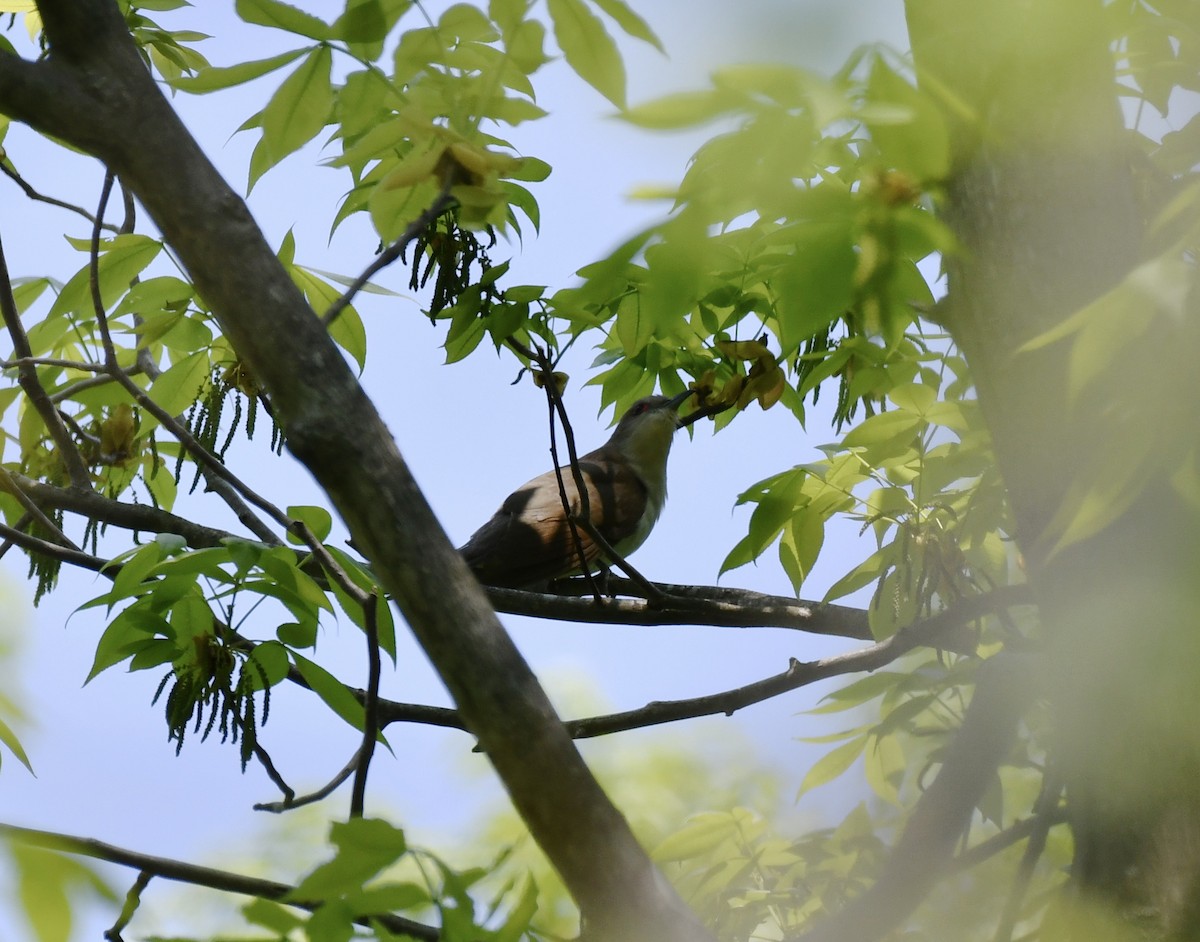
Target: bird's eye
(639,408)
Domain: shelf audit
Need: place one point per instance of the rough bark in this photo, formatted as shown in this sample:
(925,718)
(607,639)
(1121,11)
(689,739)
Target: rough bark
(94,92)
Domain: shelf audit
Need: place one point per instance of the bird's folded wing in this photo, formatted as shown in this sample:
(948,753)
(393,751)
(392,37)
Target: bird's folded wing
(528,540)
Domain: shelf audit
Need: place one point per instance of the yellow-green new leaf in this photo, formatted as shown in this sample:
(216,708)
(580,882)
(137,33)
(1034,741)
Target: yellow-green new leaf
(283,16)
(121,260)
(177,388)
(214,78)
(589,50)
(630,22)
(832,764)
(884,764)
(9,738)
(907,125)
(700,835)
(300,107)
(682,110)
(46,884)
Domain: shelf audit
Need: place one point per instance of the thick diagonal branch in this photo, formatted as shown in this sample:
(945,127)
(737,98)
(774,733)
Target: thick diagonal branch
(95,93)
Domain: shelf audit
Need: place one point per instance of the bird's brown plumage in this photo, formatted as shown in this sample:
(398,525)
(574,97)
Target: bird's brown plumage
(528,542)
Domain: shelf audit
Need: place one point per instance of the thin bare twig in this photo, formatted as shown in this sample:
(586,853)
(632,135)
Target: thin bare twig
(926,632)
(584,517)
(290,801)
(390,254)
(22,362)
(110,352)
(11,172)
(370,708)
(368,601)
(554,404)
(264,759)
(133,899)
(705,412)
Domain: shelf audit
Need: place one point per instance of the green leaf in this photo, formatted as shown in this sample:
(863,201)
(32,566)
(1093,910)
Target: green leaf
(388,898)
(1100,493)
(524,293)
(588,48)
(800,546)
(507,14)
(468,24)
(287,248)
(681,110)
(270,915)
(318,520)
(517,922)
(331,922)
(776,505)
(385,627)
(816,286)
(122,259)
(297,635)
(297,586)
(272,658)
(214,78)
(630,22)
(884,765)
(123,637)
(467,329)
(906,124)
(46,884)
(365,847)
(915,398)
(9,738)
(883,428)
(283,16)
(368,21)
(300,107)
(134,569)
(860,691)
(336,695)
(244,553)
(190,618)
(526,46)
(347,331)
(832,764)
(28,290)
(177,388)
(863,574)
(207,561)
(702,833)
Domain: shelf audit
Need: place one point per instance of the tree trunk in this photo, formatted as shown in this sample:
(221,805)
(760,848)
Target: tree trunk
(1042,198)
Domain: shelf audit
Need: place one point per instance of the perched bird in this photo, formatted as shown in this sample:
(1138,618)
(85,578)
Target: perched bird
(528,541)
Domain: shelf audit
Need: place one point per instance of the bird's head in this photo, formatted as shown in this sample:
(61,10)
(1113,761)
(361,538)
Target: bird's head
(645,431)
